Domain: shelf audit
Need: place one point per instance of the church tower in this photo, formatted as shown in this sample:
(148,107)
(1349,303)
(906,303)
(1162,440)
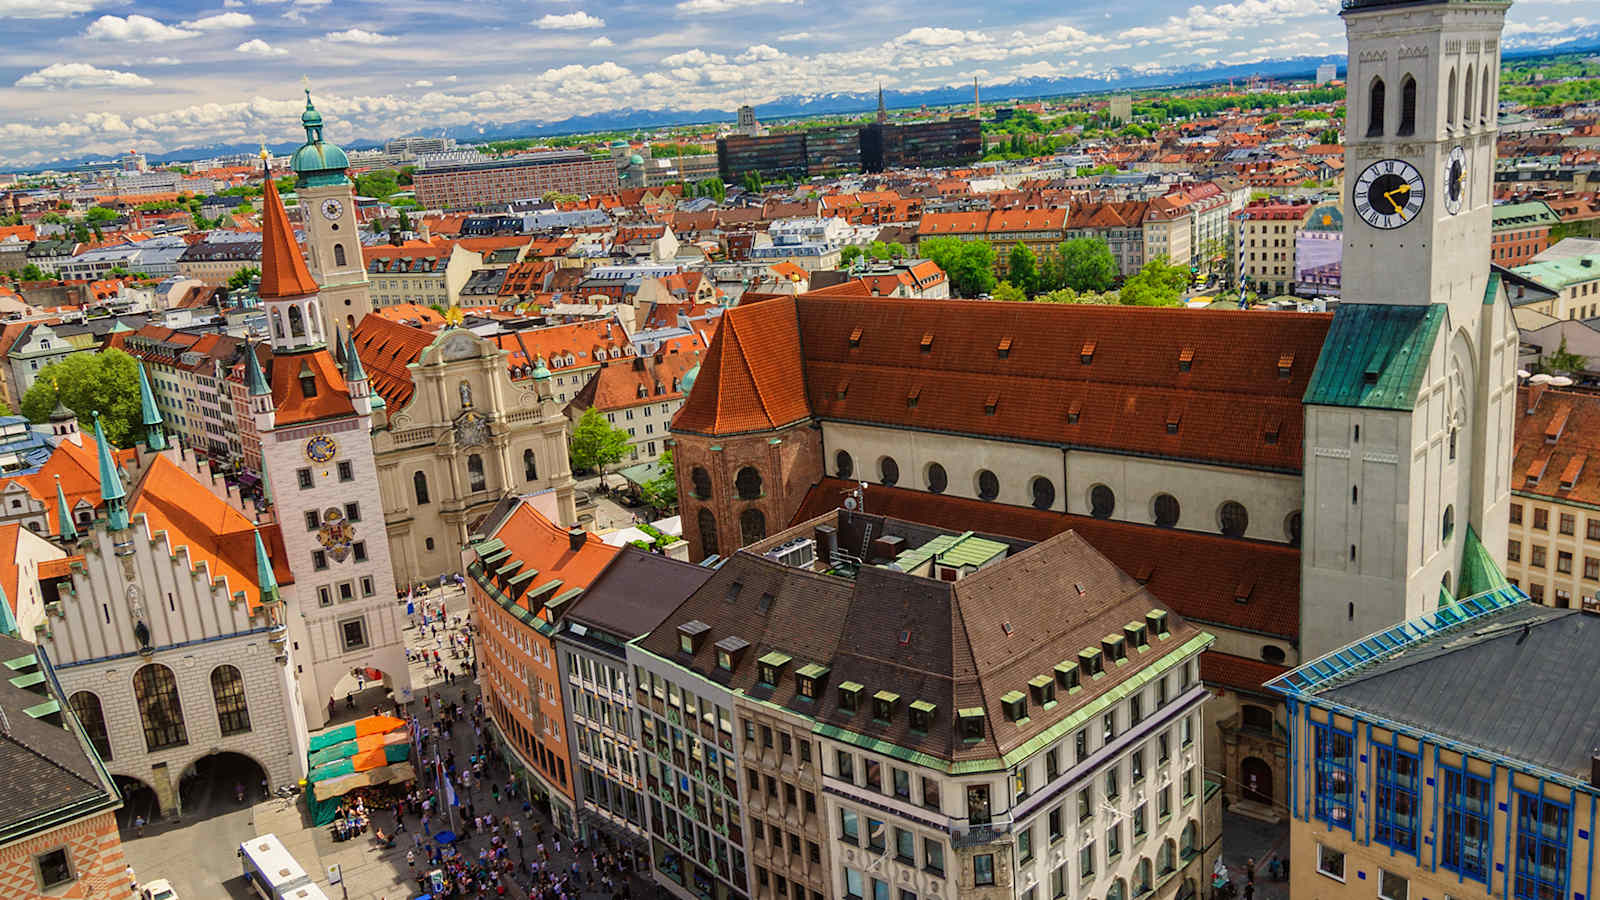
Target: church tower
(321,473)
(1409,411)
(333,240)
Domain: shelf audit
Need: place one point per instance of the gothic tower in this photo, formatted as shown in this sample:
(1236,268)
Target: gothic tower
(1409,412)
(328,212)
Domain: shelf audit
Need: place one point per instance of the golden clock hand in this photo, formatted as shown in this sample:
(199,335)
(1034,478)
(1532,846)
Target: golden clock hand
(1389,195)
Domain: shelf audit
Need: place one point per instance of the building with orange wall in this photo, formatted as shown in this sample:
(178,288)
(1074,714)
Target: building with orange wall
(522,569)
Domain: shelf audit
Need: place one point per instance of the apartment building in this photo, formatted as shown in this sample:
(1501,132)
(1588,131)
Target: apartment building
(640,394)
(1553,547)
(1060,754)
(520,177)
(1120,225)
(188,375)
(1575,282)
(421,274)
(1265,242)
(1521,232)
(220,256)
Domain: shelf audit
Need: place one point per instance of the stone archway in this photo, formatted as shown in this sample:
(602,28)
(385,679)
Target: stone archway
(362,689)
(1255,779)
(210,784)
(139,801)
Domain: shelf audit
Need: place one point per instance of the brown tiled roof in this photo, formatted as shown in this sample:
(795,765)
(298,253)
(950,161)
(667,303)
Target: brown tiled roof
(1197,574)
(283,269)
(1557,437)
(752,378)
(637,380)
(1240,673)
(386,349)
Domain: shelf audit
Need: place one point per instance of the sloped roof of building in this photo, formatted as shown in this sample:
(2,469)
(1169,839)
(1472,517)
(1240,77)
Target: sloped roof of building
(332,395)
(79,469)
(635,592)
(283,269)
(1557,445)
(387,348)
(545,548)
(637,380)
(752,378)
(1377,356)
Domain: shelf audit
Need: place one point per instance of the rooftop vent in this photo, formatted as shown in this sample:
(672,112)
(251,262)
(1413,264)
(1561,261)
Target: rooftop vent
(1285,364)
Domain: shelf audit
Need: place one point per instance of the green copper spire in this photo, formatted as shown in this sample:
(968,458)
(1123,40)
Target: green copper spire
(264,575)
(352,367)
(155,436)
(8,619)
(253,375)
(111,489)
(69,531)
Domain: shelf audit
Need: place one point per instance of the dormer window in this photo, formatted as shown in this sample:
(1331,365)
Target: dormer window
(1015,704)
(1086,355)
(1043,689)
(1186,359)
(1090,662)
(883,705)
(809,680)
(971,723)
(729,651)
(1066,675)
(1116,649)
(769,668)
(922,713)
(1134,632)
(1074,411)
(850,696)
(690,636)
(1156,619)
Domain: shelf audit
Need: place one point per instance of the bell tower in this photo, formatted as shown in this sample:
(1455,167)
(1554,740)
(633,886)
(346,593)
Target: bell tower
(333,240)
(1409,413)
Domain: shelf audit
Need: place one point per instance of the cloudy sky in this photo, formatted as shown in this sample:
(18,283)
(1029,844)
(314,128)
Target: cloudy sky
(100,76)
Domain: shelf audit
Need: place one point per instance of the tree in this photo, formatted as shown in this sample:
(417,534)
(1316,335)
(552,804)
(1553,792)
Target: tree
(1008,292)
(100,214)
(106,382)
(404,221)
(1564,360)
(379,183)
(1022,269)
(1087,264)
(1158,283)
(712,188)
(31,272)
(596,443)
(752,182)
(1328,136)
(240,280)
(661,492)
(968,264)
(848,255)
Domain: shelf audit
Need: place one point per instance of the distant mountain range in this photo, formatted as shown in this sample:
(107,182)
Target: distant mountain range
(799,106)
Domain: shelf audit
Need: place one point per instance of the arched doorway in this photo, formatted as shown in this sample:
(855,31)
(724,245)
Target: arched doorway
(362,690)
(1256,777)
(138,801)
(209,786)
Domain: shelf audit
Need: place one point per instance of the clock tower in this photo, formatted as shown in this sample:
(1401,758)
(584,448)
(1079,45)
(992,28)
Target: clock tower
(1409,411)
(333,240)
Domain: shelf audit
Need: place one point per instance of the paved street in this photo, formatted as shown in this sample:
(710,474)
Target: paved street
(1244,839)
(198,853)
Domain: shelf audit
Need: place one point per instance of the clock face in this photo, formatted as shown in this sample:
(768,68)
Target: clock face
(331,209)
(321,448)
(1389,193)
(1455,179)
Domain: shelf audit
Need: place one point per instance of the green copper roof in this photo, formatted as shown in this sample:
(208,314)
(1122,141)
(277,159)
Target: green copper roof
(1375,356)
(1479,571)
(155,436)
(111,489)
(317,162)
(8,620)
(253,376)
(265,577)
(69,531)
(1560,274)
(1510,216)
(353,370)
(952,549)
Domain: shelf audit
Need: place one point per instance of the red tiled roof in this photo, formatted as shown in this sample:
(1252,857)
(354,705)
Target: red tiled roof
(283,269)
(546,548)
(1239,673)
(1198,575)
(293,406)
(753,377)
(637,380)
(1557,445)
(386,348)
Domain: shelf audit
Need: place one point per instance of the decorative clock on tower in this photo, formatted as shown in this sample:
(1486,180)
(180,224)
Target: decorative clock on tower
(1455,179)
(1389,193)
(321,448)
(331,208)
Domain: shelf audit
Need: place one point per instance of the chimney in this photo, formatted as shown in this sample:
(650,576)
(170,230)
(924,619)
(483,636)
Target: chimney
(427,234)
(575,537)
(394,235)
(827,540)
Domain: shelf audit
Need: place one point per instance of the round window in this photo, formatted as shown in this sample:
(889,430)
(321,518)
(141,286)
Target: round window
(938,480)
(1102,502)
(988,485)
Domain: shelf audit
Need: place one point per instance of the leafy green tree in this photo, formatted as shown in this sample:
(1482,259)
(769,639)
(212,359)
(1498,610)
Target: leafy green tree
(713,188)
(107,382)
(379,183)
(1087,264)
(240,280)
(752,182)
(1008,292)
(596,443)
(404,221)
(1158,283)
(661,492)
(968,264)
(897,250)
(848,255)
(1022,269)
(100,214)
(1328,136)
(31,272)
(1563,360)
(406,175)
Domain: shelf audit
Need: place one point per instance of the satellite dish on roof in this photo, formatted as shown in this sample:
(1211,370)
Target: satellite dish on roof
(1541,378)
(1560,381)
(1523,373)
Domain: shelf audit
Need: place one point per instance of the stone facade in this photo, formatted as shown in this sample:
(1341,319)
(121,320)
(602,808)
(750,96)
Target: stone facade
(786,462)
(785,813)
(94,852)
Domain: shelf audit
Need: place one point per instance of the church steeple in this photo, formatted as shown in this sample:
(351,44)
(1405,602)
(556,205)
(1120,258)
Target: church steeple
(155,436)
(883,112)
(288,292)
(111,489)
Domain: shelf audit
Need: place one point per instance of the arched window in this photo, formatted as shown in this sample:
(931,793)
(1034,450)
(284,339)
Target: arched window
(708,531)
(752,526)
(1452,442)
(419,484)
(1448,526)
(888,471)
(1142,878)
(1233,519)
(1272,654)
(314,317)
(938,479)
(1487,106)
(475,479)
(843,465)
(988,485)
(1450,100)
(86,706)
(1044,493)
(700,479)
(530,466)
(1166,510)
(1408,106)
(1375,108)
(1466,99)
(1118,890)
(1102,502)
(227,691)
(277,323)
(1167,859)
(338,254)
(156,693)
(1187,839)
(748,483)
(297,322)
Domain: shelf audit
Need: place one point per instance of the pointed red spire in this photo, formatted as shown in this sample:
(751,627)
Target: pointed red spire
(283,269)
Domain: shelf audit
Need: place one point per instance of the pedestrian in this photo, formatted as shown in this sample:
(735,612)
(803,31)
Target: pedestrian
(138,825)
(411,860)
(133,880)
(1250,870)
(1249,890)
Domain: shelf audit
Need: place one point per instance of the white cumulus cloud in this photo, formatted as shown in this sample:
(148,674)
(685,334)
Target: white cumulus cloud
(421,83)
(572,21)
(258,47)
(796,36)
(602,41)
(927,36)
(49,9)
(135,29)
(221,22)
(80,75)
(720,6)
(759,53)
(358,36)
(694,57)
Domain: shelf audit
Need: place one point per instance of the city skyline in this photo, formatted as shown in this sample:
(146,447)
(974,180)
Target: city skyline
(98,77)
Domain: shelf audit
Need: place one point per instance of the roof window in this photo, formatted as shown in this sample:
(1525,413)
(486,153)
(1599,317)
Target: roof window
(927,342)
(1186,359)
(1086,355)
(1015,703)
(850,696)
(971,723)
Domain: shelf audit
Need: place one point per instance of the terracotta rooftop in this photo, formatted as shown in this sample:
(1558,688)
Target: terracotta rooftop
(753,375)
(331,397)
(283,269)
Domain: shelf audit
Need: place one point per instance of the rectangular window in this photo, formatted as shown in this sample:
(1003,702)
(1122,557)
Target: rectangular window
(352,511)
(905,846)
(55,868)
(1464,845)
(354,633)
(1396,824)
(1333,751)
(347,591)
(1113,842)
(347,472)
(319,560)
(1392,886)
(983,869)
(1591,568)
(1330,862)
(1564,562)
(877,836)
(367,589)
(1086,861)
(1536,557)
(358,551)
(1567,524)
(1543,847)
(1516,513)
(313,520)
(1025,844)
(852,884)
(849,827)
(933,856)
(324,596)
(1592,528)
(1085,804)
(303,476)
(930,794)
(902,784)
(1053,824)
(1164,802)
(1541,519)
(846,765)
(1513,551)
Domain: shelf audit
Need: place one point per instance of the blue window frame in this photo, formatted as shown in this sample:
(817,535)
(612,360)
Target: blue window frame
(1465,846)
(1334,755)
(1396,819)
(1543,849)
